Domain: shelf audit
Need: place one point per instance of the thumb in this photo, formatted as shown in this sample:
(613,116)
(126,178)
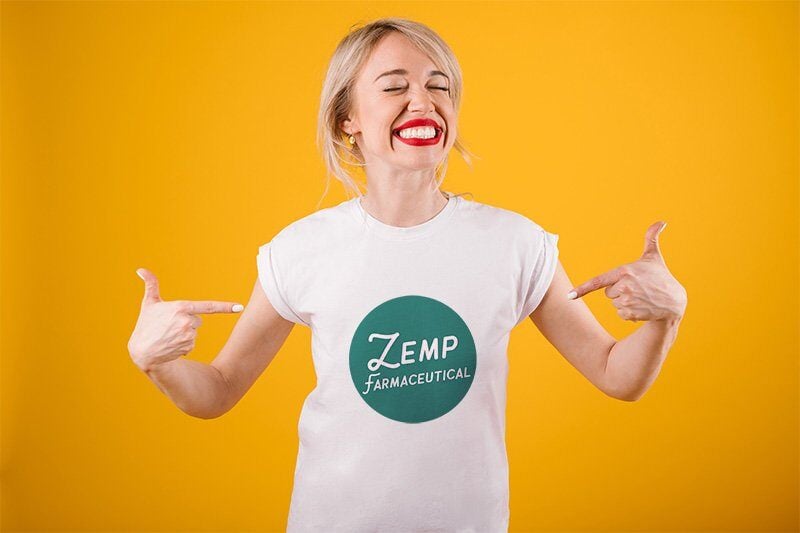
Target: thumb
(151,293)
(651,250)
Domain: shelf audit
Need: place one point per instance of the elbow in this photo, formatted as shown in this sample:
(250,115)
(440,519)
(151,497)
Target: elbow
(209,416)
(626,392)
(215,413)
(204,415)
(624,395)
(633,396)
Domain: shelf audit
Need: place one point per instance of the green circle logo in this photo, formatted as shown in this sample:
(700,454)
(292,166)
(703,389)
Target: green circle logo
(412,359)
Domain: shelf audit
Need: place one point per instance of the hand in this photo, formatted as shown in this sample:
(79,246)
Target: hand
(644,289)
(167,330)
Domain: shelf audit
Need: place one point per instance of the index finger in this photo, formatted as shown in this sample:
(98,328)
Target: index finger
(212,306)
(597,282)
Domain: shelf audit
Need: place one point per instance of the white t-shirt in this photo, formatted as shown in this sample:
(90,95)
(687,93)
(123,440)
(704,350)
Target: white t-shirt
(405,429)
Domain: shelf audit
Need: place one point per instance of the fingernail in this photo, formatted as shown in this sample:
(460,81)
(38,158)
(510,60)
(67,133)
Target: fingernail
(571,295)
(662,228)
(137,273)
(238,307)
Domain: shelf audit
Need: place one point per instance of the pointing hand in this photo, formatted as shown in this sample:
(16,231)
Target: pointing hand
(644,289)
(167,330)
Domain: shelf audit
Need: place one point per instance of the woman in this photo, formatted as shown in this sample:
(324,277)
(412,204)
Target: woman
(411,293)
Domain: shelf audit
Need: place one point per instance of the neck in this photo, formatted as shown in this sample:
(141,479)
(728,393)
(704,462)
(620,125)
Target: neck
(403,208)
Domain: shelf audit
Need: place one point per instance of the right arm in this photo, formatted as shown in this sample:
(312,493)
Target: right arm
(211,390)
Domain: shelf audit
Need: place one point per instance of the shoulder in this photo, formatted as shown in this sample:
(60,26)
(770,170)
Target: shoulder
(500,220)
(316,228)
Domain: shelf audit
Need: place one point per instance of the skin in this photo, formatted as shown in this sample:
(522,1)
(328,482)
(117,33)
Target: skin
(401,181)
(166,330)
(402,192)
(642,290)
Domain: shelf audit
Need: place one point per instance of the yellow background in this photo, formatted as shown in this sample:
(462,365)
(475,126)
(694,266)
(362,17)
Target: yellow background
(180,136)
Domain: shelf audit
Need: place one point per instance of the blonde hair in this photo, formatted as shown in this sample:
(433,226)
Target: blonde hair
(337,90)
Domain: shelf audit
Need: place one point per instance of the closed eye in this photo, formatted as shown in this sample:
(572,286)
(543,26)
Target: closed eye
(399,88)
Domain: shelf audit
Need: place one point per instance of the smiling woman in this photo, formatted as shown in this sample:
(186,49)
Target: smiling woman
(411,294)
(355,125)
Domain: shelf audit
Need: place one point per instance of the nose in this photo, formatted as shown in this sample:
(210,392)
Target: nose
(420,101)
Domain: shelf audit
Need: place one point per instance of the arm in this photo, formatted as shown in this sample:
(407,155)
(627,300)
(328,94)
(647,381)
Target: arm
(194,387)
(635,361)
(572,329)
(621,369)
(642,290)
(210,390)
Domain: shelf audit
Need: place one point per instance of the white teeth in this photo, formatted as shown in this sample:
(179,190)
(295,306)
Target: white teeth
(427,132)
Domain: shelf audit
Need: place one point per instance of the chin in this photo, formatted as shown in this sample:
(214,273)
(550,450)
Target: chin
(420,164)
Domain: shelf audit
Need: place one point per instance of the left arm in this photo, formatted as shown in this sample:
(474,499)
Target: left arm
(574,331)
(642,290)
(635,361)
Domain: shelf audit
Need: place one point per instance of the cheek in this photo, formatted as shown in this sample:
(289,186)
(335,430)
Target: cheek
(451,122)
(451,133)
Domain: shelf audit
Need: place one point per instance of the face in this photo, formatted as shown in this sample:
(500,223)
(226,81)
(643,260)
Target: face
(383,103)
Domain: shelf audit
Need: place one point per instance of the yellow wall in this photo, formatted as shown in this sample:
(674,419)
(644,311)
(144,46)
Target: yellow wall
(180,136)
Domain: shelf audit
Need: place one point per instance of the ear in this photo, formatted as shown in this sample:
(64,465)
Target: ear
(349,127)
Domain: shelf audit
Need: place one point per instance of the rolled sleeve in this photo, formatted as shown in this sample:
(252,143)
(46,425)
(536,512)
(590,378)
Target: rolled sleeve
(271,280)
(539,272)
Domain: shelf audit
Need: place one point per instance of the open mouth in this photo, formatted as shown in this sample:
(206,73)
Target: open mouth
(420,136)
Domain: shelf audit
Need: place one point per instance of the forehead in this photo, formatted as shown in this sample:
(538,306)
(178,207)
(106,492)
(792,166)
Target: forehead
(395,51)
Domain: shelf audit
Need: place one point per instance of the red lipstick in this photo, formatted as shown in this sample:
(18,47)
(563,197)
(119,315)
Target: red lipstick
(419,123)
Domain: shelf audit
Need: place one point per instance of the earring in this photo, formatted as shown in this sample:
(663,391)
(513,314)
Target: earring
(352,140)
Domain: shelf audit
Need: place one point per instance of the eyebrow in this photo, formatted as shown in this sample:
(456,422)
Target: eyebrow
(404,72)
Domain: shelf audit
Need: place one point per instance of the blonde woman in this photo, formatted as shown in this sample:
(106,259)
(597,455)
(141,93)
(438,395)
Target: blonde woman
(411,293)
